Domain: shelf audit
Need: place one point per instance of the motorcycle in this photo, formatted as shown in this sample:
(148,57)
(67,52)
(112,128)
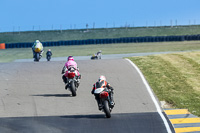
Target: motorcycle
(95,56)
(37,53)
(48,57)
(37,56)
(72,80)
(105,100)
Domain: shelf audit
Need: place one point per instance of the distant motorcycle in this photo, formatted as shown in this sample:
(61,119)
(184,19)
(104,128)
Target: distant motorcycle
(104,100)
(48,57)
(37,56)
(72,80)
(95,56)
(38,50)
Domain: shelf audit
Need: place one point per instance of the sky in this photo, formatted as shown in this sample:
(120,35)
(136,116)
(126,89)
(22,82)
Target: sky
(28,15)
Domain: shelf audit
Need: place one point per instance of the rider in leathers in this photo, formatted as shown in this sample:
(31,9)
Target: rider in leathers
(102,83)
(37,44)
(68,64)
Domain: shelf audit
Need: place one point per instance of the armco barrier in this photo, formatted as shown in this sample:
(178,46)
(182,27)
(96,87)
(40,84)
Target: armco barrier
(108,41)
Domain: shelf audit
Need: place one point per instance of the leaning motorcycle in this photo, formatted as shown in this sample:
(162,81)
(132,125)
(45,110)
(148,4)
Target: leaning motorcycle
(72,80)
(105,100)
(95,56)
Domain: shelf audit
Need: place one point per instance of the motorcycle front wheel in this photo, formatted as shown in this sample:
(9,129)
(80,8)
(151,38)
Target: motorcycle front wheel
(106,109)
(37,57)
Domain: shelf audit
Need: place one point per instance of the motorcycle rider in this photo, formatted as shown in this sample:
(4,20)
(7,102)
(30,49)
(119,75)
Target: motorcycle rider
(102,83)
(98,54)
(49,53)
(37,47)
(70,63)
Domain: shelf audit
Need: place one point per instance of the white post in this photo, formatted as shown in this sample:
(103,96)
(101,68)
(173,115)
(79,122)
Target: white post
(19,29)
(61,28)
(146,24)
(171,23)
(93,25)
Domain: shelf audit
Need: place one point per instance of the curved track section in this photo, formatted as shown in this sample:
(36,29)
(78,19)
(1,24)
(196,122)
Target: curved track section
(33,99)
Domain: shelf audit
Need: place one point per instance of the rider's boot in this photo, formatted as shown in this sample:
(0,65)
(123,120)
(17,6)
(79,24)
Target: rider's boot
(112,100)
(98,102)
(66,86)
(100,106)
(33,54)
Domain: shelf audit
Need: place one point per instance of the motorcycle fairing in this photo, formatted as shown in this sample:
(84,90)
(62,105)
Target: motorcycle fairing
(98,90)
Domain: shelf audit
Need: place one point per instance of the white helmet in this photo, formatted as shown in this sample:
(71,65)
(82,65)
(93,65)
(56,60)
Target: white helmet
(101,78)
(37,41)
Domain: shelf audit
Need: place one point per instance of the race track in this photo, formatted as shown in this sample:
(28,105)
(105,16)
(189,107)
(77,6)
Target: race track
(33,99)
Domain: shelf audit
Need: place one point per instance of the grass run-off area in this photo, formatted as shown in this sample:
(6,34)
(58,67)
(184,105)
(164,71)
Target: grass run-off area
(8,55)
(174,78)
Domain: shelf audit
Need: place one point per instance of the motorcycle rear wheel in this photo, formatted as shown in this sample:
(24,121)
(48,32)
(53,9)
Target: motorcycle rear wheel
(106,109)
(73,88)
(48,58)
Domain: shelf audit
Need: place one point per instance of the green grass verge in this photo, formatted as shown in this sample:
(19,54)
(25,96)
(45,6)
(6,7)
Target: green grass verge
(8,55)
(174,78)
(82,34)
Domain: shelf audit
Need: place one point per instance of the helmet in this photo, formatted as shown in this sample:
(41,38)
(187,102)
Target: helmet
(70,58)
(37,41)
(101,78)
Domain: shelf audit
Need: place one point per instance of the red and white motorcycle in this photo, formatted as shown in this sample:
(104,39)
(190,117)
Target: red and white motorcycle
(72,80)
(105,100)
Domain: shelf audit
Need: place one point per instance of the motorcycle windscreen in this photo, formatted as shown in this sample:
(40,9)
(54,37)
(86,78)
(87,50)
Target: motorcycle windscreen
(98,90)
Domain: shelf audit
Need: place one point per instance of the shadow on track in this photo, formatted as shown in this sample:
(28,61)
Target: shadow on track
(53,95)
(94,116)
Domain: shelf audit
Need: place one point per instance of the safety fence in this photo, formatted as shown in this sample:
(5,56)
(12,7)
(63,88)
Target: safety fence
(109,41)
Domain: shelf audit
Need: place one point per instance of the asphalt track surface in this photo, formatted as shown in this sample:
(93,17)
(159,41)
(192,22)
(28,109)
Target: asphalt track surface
(33,99)
(111,56)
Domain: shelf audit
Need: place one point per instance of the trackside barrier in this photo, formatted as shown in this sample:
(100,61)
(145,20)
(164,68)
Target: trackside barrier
(2,46)
(106,41)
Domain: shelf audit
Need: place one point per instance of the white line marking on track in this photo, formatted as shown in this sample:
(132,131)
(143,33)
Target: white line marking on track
(152,97)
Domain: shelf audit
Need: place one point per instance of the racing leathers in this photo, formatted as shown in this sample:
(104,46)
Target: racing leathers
(103,84)
(49,53)
(37,48)
(68,64)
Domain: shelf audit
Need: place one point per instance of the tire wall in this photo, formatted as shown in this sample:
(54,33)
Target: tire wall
(109,41)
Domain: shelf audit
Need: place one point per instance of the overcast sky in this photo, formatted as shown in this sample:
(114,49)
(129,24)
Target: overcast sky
(26,15)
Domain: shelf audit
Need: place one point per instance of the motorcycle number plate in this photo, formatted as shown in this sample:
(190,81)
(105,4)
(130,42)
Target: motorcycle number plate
(98,90)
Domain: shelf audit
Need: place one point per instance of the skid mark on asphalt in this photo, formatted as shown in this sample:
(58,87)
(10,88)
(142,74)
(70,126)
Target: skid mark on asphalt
(183,120)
